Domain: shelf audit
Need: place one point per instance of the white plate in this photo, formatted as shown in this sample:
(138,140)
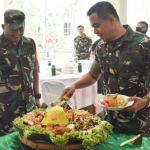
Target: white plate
(68,71)
(50,73)
(100,98)
(58,72)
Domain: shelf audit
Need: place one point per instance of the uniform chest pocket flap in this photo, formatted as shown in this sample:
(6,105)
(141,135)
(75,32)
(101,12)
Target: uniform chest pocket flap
(130,62)
(7,64)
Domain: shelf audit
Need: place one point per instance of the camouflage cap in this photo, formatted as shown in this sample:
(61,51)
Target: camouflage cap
(14,18)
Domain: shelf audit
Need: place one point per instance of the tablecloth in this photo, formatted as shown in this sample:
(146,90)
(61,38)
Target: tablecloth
(81,97)
(11,142)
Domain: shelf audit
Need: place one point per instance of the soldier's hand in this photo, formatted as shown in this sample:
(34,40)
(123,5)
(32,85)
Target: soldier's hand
(138,104)
(37,102)
(68,91)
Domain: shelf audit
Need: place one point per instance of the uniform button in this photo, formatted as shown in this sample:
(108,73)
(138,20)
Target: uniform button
(7,104)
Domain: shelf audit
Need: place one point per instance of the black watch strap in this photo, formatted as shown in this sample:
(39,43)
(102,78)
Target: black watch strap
(37,96)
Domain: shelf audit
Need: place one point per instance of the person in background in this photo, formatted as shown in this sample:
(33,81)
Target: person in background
(142,27)
(123,58)
(82,44)
(19,80)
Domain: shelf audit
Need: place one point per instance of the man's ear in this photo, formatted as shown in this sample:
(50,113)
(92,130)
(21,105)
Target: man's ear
(3,26)
(112,20)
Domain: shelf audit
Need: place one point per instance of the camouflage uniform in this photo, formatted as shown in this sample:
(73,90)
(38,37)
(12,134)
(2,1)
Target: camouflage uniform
(125,68)
(81,46)
(16,78)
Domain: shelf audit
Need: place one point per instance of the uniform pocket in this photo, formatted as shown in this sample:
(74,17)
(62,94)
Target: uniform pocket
(130,62)
(130,67)
(9,72)
(7,65)
(11,105)
(131,122)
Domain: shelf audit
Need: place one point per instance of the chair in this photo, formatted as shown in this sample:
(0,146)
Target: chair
(86,64)
(54,87)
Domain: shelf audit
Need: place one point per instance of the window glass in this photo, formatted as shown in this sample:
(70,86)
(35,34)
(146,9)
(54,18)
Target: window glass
(53,25)
(138,11)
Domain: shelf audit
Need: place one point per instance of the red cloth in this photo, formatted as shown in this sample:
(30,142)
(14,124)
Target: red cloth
(93,109)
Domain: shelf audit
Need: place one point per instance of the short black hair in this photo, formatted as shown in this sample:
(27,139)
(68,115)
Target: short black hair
(80,26)
(103,10)
(144,23)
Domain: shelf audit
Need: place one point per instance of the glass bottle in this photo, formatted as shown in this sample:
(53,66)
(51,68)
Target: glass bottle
(49,63)
(49,68)
(53,70)
(72,63)
(79,67)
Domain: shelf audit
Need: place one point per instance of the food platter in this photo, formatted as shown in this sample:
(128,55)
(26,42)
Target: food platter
(100,98)
(81,130)
(38,145)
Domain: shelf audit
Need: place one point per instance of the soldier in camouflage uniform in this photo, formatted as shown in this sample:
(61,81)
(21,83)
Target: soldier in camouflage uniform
(123,57)
(142,27)
(82,44)
(19,80)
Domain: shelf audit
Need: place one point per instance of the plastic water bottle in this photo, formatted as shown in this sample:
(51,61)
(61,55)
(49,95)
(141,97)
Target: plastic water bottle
(53,70)
(79,67)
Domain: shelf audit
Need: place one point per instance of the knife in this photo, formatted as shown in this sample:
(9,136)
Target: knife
(56,102)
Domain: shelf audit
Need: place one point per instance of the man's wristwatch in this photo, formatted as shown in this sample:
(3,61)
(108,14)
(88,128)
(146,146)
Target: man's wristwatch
(37,96)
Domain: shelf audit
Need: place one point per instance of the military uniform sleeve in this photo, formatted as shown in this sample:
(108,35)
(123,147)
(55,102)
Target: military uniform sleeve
(95,67)
(75,42)
(145,48)
(36,62)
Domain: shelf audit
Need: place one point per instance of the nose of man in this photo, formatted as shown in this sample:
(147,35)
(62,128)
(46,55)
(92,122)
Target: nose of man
(95,31)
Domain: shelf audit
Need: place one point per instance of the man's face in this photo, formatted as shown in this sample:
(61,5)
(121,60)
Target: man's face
(13,35)
(103,28)
(80,31)
(143,27)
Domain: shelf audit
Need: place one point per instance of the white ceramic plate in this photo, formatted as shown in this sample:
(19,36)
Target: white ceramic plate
(68,71)
(100,98)
(50,73)
(58,72)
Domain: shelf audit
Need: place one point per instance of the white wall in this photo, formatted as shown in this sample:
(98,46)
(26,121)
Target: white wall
(3,7)
(121,7)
